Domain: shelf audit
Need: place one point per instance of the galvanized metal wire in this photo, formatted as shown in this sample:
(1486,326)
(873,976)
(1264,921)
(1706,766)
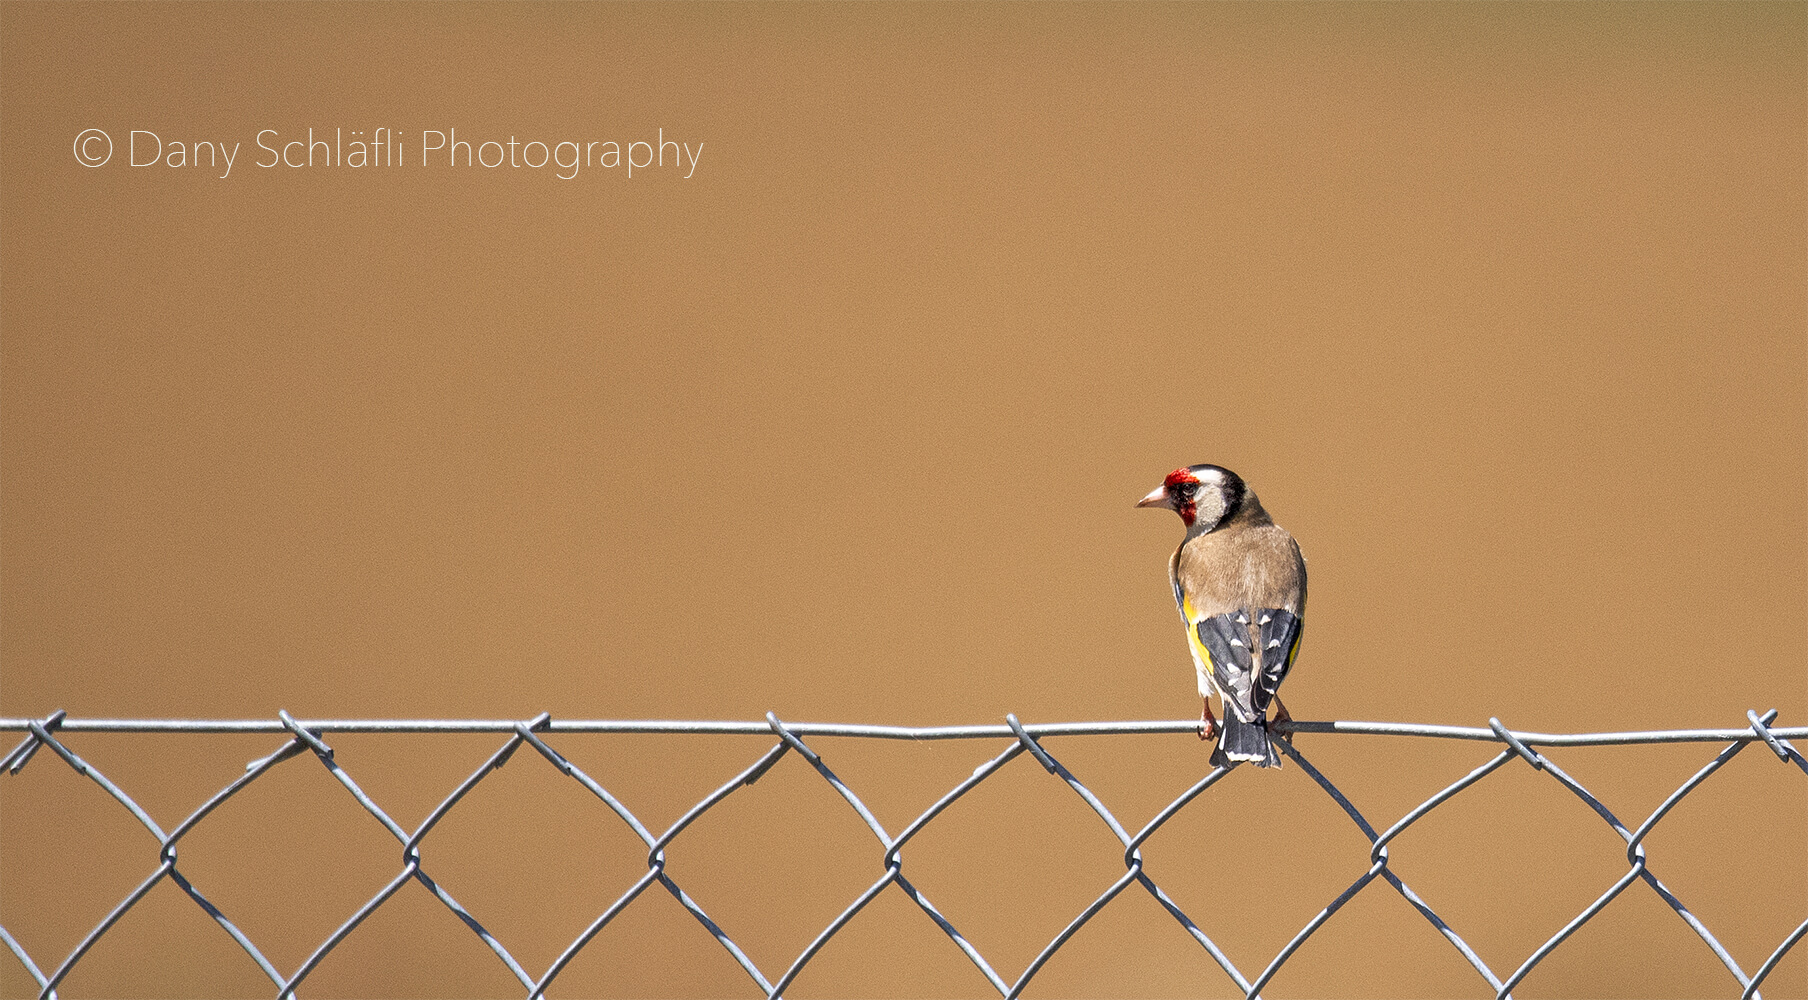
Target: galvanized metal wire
(308,737)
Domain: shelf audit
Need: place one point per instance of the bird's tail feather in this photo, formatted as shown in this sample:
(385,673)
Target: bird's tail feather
(1245,741)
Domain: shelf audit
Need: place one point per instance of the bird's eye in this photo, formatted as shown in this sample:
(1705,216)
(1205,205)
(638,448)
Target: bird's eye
(1185,490)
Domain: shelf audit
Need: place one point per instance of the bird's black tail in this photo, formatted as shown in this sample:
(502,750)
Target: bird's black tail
(1245,741)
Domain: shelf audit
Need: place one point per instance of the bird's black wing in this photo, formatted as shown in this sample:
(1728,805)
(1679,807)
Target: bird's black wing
(1226,638)
(1174,581)
(1278,631)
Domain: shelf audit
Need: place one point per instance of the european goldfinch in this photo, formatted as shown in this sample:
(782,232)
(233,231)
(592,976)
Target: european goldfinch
(1240,582)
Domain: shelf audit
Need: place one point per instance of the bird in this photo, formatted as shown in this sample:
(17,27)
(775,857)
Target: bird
(1240,583)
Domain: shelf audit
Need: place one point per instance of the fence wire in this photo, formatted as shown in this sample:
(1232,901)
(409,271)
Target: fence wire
(307,738)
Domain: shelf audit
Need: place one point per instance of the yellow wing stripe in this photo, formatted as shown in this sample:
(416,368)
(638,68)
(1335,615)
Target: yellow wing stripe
(1192,634)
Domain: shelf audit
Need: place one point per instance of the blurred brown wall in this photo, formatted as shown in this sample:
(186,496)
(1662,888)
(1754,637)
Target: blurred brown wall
(1499,307)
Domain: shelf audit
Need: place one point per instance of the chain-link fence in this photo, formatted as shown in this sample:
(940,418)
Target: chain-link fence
(307,737)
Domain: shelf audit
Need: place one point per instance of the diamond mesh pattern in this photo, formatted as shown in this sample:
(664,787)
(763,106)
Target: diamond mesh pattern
(303,739)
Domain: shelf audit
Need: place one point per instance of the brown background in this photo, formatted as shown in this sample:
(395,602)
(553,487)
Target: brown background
(1500,308)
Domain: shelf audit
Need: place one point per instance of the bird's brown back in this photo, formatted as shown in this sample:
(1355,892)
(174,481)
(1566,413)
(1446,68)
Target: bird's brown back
(1250,562)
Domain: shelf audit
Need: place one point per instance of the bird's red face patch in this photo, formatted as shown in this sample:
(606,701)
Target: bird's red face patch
(1183,490)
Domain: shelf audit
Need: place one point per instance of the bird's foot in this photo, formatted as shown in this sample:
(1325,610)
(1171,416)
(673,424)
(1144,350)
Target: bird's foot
(1281,715)
(1208,725)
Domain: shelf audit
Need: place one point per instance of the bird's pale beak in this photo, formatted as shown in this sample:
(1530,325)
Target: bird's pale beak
(1158,498)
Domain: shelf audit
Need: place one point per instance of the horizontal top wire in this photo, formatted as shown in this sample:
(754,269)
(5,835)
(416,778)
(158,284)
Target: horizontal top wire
(1482,734)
